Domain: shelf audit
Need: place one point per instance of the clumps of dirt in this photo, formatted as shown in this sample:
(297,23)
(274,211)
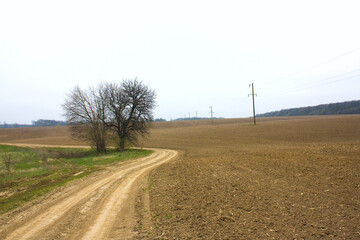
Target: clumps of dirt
(217,198)
(232,186)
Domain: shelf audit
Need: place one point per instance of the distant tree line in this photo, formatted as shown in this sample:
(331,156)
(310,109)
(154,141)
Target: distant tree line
(37,123)
(196,118)
(160,120)
(48,123)
(14,125)
(185,119)
(350,107)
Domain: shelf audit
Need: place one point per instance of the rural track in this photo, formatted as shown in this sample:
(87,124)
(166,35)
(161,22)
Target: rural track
(99,207)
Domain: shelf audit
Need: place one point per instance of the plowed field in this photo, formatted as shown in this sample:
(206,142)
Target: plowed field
(285,178)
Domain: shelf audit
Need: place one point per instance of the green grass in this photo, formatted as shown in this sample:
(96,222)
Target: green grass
(36,171)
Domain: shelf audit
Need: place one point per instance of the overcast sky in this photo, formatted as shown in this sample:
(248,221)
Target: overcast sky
(194,54)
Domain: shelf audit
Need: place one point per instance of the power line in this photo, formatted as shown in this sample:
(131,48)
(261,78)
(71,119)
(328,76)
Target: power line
(321,82)
(312,67)
(325,81)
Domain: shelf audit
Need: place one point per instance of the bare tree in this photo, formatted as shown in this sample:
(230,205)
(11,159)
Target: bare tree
(130,105)
(124,108)
(85,112)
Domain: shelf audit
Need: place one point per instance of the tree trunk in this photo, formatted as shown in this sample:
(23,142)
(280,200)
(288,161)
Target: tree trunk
(100,147)
(122,144)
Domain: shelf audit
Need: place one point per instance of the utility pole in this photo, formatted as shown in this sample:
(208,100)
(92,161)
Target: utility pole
(211,112)
(253,100)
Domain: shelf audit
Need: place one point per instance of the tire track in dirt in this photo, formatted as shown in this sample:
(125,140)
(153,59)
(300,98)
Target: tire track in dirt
(94,205)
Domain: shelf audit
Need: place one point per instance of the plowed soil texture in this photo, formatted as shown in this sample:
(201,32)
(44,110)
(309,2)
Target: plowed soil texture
(285,178)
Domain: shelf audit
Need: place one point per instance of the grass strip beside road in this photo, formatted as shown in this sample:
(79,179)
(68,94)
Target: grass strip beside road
(36,171)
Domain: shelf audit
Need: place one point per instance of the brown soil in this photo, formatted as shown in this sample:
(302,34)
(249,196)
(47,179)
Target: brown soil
(286,178)
(282,179)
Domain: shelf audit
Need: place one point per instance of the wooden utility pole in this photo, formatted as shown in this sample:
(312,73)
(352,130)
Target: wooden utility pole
(253,100)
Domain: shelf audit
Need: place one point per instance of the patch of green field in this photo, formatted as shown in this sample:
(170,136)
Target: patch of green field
(36,171)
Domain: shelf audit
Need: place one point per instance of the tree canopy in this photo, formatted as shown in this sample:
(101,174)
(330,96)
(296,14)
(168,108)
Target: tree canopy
(112,111)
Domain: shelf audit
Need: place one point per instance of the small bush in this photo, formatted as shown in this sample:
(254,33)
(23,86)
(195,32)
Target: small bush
(6,158)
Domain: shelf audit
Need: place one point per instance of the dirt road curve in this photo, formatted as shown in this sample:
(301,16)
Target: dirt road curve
(97,207)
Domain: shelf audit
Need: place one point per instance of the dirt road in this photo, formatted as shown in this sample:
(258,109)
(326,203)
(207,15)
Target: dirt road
(98,207)
(285,178)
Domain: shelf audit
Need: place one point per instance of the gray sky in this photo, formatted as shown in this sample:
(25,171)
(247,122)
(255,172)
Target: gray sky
(194,54)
